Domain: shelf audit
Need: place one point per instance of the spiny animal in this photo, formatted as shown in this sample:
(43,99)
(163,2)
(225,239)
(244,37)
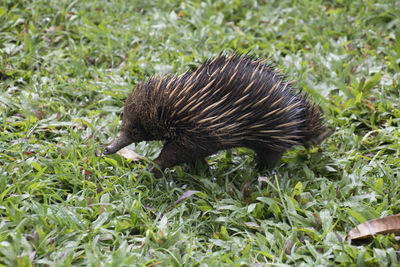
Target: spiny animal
(228,101)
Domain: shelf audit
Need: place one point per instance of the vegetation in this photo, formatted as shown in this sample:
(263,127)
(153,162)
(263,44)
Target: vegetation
(65,70)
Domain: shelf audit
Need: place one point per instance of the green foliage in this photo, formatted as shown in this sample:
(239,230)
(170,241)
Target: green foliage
(65,70)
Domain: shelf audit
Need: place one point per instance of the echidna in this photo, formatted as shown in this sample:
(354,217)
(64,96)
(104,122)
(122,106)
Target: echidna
(229,101)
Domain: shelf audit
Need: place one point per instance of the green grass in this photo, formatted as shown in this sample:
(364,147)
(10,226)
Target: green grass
(65,70)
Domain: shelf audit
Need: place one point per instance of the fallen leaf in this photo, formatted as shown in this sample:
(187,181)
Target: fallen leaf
(40,114)
(289,246)
(247,192)
(99,188)
(26,28)
(79,257)
(185,196)
(129,154)
(85,172)
(385,225)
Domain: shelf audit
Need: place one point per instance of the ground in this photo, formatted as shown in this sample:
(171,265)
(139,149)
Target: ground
(65,70)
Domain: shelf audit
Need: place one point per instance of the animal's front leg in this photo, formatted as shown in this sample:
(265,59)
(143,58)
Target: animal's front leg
(267,159)
(175,153)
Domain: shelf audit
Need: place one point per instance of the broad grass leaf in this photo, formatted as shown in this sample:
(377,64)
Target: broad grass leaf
(36,166)
(297,189)
(374,80)
(379,185)
(101,220)
(111,162)
(4,193)
(2,11)
(252,225)
(356,215)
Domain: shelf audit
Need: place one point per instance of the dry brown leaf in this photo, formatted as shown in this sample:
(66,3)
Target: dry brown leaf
(129,154)
(85,172)
(289,246)
(99,188)
(185,196)
(247,192)
(385,225)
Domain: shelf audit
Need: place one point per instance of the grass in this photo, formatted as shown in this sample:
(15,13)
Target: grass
(65,70)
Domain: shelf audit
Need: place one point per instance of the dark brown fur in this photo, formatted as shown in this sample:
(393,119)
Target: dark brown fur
(229,101)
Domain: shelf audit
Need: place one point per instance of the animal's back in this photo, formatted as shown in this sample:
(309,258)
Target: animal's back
(235,99)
